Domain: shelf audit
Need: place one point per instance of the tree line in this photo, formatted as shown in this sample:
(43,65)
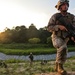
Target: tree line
(21,34)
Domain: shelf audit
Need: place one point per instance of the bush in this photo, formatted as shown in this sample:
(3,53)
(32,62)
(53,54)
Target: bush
(34,40)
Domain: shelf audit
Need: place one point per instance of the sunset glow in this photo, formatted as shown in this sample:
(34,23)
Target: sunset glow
(24,12)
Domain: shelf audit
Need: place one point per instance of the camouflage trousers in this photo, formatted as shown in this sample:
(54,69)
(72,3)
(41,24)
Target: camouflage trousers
(61,47)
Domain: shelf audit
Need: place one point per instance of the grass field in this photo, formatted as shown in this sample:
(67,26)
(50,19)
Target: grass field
(23,67)
(25,49)
(20,67)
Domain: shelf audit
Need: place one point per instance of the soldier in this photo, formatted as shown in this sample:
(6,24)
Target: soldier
(31,57)
(60,33)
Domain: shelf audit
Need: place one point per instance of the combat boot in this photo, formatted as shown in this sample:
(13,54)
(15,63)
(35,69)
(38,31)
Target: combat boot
(56,66)
(61,70)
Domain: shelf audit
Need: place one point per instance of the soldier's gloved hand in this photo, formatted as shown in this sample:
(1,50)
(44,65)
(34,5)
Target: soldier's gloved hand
(61,27)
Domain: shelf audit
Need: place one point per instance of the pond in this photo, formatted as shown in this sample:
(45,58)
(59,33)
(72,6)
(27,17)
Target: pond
(36,57)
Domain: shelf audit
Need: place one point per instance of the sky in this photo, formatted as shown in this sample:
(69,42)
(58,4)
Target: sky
(25,12)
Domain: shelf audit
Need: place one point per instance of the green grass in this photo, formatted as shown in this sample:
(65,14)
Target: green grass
(24,68)
(19,67)
(25,49)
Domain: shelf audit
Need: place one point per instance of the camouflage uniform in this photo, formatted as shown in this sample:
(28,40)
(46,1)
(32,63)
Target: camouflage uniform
(31,57)
(59,38)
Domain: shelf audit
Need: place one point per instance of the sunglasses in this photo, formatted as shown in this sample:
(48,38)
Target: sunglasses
(64,0)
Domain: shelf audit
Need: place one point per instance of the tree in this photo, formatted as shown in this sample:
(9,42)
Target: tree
(19,34)
(44,34)
(32,32)
(49,41)
(5,37)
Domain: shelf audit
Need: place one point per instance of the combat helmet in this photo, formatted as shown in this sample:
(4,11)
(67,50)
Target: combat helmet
(61,2)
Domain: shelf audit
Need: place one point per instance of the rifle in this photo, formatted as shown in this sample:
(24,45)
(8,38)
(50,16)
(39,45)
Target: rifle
(68,25)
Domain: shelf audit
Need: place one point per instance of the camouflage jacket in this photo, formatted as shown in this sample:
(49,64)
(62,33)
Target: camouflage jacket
(54,23)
